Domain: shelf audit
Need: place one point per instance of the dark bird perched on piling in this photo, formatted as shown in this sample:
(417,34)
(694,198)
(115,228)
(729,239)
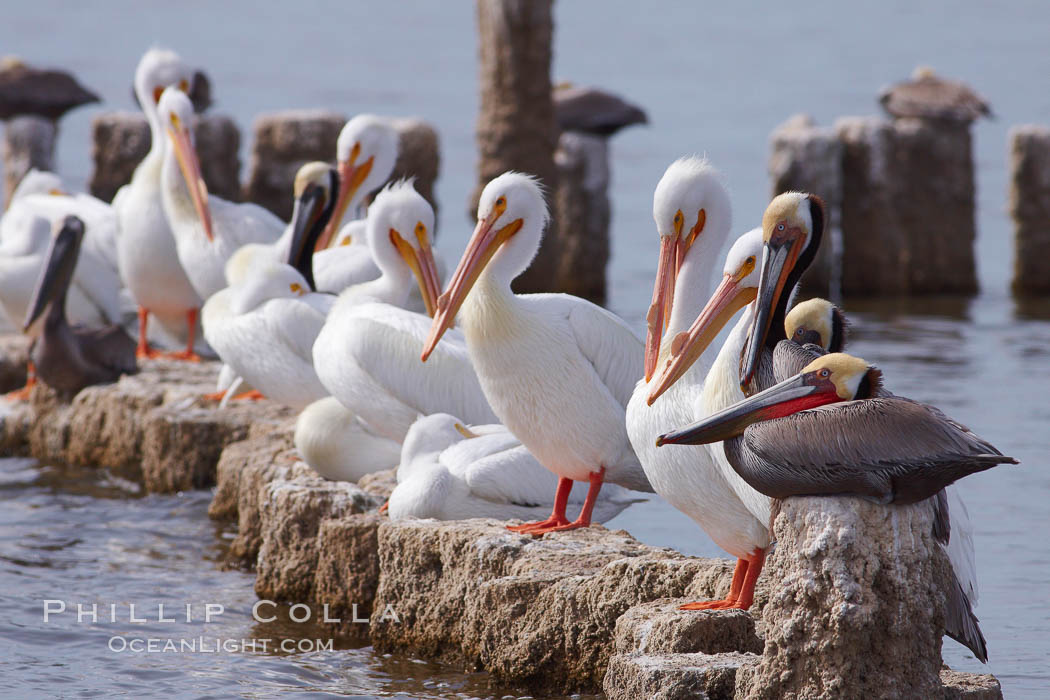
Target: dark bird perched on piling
(593,111)
(928,96)
(45,93)
(68,358)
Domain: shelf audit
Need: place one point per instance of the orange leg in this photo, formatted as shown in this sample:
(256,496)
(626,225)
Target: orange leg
(561,499)
(253,395)
(741,590)
(584,520)
(144,351)
(188,355)
(385,507)
(23,393)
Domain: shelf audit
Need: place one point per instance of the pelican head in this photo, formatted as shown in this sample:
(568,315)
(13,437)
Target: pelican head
(792,228)
(315,189)
(176,114)
(511,217)
(828,379)
(689,200)
(737,289)
(399,224)
(56,274)
(430,435)
(157,70)
(38,182)
(817,321)
(272,280)
(366,153)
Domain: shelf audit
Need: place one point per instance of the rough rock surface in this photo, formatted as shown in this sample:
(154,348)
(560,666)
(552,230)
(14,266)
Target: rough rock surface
(970,686)
(284,141)
(581,206)
(292,508)
(29,142)
(808,158)
(674,676)
(263,446)
(14,351)
(1030,208)
(856,611)
(454,586)
(660,627)
(151,427)
(347,574)
(120,140)
(516,128)
(908,224)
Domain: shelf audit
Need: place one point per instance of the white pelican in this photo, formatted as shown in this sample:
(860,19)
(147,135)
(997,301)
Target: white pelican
(338,445)
(693,217)
(263,327)
(149,264)
(557,370)
(365,354)
(208,230)
(451,472)
(347,261)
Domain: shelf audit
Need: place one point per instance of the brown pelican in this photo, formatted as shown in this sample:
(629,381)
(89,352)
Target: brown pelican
(887,449)
(593,111)
(68,358)
(45,93)
(929,96)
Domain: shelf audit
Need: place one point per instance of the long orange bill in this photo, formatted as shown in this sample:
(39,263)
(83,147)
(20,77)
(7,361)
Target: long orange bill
(423,267)
(663,300)
(483,244)
(350,178)
(190,166)
(686,347)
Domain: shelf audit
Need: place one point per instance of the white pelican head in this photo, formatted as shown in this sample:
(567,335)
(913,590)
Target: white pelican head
(176,116)
(157,70)
(38,182)
(366,153)
(512,215)
(738,288)
(689,201)
(272,280)
(399,224)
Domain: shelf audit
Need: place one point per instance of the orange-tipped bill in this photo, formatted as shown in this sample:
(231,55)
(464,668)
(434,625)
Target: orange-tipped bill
(190,166)
(350,178)
(688,346)
(483,244)
(423,267)
(663,299)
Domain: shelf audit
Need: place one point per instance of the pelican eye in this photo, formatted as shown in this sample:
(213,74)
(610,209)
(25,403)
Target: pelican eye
(751,260)
(347,241)
(501,202)
(780,227)
(296,288)
(825,373)
(184,85)
(800,332)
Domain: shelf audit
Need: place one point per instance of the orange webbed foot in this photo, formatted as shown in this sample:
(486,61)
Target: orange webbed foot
(539,526)
(182,356)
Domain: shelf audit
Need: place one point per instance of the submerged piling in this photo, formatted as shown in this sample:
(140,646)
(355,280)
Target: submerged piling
(1030,208)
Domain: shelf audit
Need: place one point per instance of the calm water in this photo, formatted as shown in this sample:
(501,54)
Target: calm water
(715,83)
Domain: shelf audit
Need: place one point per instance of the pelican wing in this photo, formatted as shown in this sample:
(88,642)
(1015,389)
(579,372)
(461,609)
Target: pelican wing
(790,358)
(890,449)
(245,222)
(294,323)
(510,475)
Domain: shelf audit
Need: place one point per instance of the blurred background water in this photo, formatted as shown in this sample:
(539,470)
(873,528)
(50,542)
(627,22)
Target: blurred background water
(714,82)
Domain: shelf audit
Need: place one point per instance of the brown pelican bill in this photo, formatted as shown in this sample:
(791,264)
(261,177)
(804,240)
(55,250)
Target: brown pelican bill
(312,211)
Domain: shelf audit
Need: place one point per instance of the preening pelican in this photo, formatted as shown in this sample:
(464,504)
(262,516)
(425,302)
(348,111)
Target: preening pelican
(149,263)
(557,370)
(264,326)
(208,230)
(340,446)
(68,358)
(452,472)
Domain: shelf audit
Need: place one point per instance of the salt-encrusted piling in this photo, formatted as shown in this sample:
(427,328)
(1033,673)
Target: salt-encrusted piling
(516,129)
(284,141)
(581,204)
(120,140)
(808,158)
(29,142)
(1030,208)
(908,225)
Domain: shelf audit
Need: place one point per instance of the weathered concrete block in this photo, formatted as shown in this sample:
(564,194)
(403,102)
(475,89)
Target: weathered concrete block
(1030,208)
(808,158)
(454,585)
(660,627)
(120,140)
(284,141)
(29,142)
(347,573)
(970,686)
(674,676)
(516,126)
(908,223)
(856,610)
(263,446)
(379,484)
(292,507)
(581,206)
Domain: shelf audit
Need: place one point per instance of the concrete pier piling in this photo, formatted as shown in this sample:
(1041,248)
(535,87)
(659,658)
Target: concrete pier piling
(516,128)
(1029,206)
(284,141)
(808,158)
(29,142)
(581,204)
(120,140)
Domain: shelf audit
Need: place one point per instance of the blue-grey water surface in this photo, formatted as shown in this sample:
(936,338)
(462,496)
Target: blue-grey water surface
(715,80)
